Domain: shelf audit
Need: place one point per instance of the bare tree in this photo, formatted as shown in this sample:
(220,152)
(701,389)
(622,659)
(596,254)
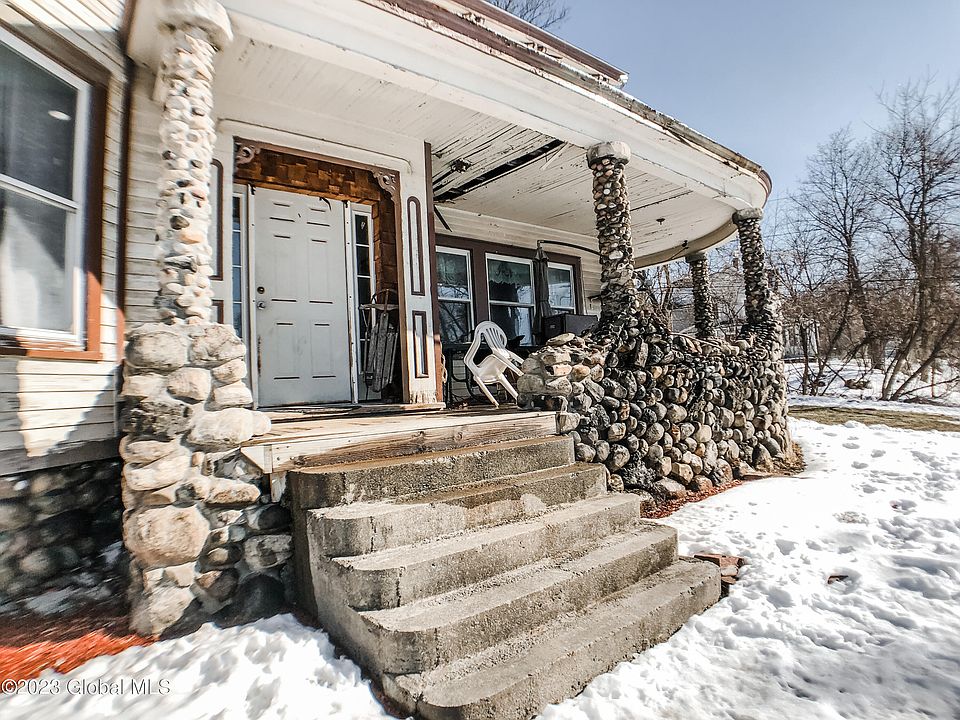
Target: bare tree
(917,185)
(542,13)
(817,302)
(660,285)
(836,209)
(870,249)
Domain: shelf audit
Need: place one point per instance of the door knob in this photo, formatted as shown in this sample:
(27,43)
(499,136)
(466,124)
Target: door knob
(261,305)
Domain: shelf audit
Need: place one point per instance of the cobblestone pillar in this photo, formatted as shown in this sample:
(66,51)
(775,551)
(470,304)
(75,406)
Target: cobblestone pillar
(704,308)
(759,304)
(619,297)
(764,330)
(204,540)
(193,32)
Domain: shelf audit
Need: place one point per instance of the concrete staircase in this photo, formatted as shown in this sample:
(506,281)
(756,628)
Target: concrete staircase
(487,581)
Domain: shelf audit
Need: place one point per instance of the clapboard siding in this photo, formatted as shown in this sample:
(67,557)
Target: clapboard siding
(514,234)
(141,278)
(53,406)
(47,388)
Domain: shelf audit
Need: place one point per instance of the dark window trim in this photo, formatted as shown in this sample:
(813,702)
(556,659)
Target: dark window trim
(69,57)
(216,190)
(478,261)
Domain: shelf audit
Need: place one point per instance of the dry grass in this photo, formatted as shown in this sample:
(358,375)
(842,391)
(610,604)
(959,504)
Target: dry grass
(897,419)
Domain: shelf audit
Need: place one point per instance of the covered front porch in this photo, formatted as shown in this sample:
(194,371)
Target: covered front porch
(327,166)
(353,182)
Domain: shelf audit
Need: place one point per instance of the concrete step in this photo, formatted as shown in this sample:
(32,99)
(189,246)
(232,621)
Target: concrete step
(389,478)
(424,634)
(365,527)
(517,678)
(397,576)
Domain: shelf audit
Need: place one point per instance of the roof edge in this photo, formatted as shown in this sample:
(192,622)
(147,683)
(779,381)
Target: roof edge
(547,38)
(470,24)
(540,62)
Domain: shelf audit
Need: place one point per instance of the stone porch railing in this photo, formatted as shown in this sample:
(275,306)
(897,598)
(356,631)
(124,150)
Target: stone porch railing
(667,414)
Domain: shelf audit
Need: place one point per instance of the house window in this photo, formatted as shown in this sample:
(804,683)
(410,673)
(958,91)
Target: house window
(236,260)
(455,290)
(510,289)
(43,177)
(365,277)
(561,289)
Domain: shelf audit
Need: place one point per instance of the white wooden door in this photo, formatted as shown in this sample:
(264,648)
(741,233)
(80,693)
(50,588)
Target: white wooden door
(301,294)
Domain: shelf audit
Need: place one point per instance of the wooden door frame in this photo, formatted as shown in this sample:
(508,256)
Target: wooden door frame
(350,263)
(389,183)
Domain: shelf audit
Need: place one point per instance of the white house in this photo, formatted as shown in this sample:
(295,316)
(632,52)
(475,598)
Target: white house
(184,173)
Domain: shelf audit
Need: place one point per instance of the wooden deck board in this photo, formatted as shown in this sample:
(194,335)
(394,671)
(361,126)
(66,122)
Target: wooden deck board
(290,445)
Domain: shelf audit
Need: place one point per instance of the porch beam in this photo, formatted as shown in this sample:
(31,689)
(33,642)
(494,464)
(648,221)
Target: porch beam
(381,48)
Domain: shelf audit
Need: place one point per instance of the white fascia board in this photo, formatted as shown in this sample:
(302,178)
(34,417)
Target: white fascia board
(353,34)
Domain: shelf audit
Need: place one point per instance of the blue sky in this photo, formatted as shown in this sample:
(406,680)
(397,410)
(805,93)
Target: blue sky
(770,78)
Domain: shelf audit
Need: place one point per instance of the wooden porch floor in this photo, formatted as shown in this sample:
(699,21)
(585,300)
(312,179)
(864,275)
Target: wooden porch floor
(346,437)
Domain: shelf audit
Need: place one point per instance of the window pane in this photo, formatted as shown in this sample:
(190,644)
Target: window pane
(36,274)
(453,276)
(561,287)
(363,291)
(514,321)
(237,284)
(236,263)
(237,251)
(362,229)
(363,260)
(510,281)
(37,124)
(216,218)
(238,319)
(454,322)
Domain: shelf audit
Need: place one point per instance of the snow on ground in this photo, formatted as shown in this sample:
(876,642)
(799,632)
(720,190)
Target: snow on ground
(274,668)
(838,372)
(878,505)
(881,506)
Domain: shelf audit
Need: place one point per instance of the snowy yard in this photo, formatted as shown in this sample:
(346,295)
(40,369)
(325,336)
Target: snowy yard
(877,505)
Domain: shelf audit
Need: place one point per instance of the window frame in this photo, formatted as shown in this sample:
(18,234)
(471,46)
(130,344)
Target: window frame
(63,60)
(573,286)
(532,305)
(478,250)
(353,210)
(471,295)
(238,272)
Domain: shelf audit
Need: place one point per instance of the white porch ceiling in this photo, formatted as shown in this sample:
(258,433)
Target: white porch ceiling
(552,191)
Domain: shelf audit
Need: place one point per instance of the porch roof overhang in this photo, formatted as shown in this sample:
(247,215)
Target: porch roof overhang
(507,109)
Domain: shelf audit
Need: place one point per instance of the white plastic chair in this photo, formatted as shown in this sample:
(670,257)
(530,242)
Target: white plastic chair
(493,367)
